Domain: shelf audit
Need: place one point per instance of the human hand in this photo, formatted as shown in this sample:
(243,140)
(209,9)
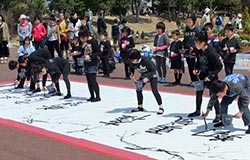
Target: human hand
(87,57)
(196,72)
(238,115)
(207,79)
(145,80)
(132,77)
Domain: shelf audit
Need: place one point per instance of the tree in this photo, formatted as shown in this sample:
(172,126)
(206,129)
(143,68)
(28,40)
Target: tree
(231,6)
(61,6)
(246,20)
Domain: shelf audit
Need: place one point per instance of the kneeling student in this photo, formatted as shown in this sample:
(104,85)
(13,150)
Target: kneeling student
(55,67)
(147,71)
(233,86)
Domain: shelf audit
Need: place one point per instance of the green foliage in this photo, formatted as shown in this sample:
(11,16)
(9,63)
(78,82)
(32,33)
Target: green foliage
(31,8)
(231,6)
(246,20)
(61,5)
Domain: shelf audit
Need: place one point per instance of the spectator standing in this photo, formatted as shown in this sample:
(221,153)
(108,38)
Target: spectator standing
(4,38)
(38,33)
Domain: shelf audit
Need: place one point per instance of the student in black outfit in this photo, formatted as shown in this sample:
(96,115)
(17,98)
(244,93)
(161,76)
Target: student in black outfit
(55,67)
(207,68)
(230,47)
(76,54)
(21,66)
(105,49)
(189,44)
(91,51)
(147,71)
(40,56)
(176,57)
(126,45)
(115,33)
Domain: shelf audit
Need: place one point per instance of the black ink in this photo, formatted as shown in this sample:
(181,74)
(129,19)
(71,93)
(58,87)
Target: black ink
(124,119)
(166,128)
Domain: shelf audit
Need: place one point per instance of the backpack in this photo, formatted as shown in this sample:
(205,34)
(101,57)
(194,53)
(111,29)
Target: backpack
(218,21)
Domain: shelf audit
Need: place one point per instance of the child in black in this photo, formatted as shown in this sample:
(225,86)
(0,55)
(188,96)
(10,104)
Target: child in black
(207,68)
(230,47)
(189,44)
(126,45)
(91,51)
(77,56)
(176,57)
(105,49)
(55,67)
(147,69)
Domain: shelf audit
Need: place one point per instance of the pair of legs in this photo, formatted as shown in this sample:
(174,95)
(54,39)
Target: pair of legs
(228,68)
(38,44)
(128,70)
(105,63)
(93,87)
(191,67)
(4,52)
(225,102)
(153,85)
(198,107)
(161,68)
(177,76)
(64,46)
(54,45)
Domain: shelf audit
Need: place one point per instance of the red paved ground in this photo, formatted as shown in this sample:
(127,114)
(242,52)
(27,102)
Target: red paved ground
(16,144)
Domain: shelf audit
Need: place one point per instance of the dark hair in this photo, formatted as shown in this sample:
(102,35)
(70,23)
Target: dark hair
(161,25)
(37,18)
(176,32)
(104,33)
(12,65)
(217,86)
(126,29)
(201,36)
(115,21)
(2,18)
(84,32)
(134,54)
(229,27)
(209,25)
(123,21)
(191,16)
(22,59)
(52,17)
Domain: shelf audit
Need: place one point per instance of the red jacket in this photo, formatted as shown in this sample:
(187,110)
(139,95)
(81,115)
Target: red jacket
(38,32)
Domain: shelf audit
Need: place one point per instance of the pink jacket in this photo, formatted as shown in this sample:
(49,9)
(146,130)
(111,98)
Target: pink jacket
(38,32)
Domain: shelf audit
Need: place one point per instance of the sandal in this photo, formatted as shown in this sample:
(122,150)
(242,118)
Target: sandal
(138,109)
(161,111)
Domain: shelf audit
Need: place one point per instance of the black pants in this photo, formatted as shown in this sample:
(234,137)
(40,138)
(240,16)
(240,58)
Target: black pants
(153,85)
(93,85)
(229,66)
(54,45)
(128,69)
(105,63)
(191,67)
(161,66)
(65,73)
(199,102)
(4,50)
(38,44)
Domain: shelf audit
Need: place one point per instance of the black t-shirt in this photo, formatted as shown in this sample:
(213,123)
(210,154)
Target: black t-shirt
(91,49)
(105,48)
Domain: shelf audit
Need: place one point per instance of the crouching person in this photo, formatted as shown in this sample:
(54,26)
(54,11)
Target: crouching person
(233,86)
(55,67)
(147,71)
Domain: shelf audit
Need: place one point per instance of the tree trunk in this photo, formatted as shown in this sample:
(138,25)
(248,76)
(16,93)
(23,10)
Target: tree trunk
(132,6)
(137,10)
